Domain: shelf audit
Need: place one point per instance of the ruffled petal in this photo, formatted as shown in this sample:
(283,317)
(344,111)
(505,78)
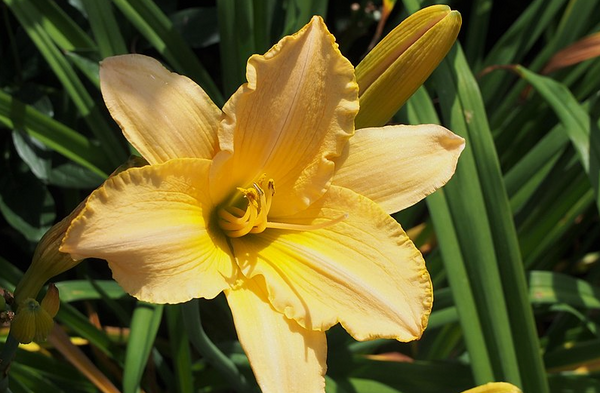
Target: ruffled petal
(291,119)
(163,115)
(284,356)
(397,166)
(150,224)
(363,271)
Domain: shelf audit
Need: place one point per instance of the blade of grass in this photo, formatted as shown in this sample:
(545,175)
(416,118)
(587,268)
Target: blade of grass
(76,290)
(236,28)
(420,110)
(576,121)
(264,14)
(498,284)
(299,12)
(10,275)
(180,350)
(105,28)
(30,19)
(573,23)
(551,287)
(16,115)
(514,44)
(523,178)
(64,31)
(481,11)
(144,327)
(79,324)
(157,28)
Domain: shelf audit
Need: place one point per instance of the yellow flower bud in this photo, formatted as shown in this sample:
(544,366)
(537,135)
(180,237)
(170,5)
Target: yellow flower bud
(51,302)
(495,387)
(402,61)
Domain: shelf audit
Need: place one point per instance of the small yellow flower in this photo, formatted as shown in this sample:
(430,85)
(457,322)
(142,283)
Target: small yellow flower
(273,200)
(33,322)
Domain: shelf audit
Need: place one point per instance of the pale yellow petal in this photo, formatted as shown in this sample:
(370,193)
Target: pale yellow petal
(397,166)
(495,387)
(150,224)
(163,115)
(284,356)
(363,272)
(291,119)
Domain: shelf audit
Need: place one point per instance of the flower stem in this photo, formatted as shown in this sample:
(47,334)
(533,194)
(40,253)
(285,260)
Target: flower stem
(6,357)
(203,344)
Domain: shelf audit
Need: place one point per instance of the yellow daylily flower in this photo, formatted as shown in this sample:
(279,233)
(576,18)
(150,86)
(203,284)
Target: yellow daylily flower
(272,200)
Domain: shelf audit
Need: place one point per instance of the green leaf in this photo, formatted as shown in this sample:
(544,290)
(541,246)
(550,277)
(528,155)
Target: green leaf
(420,110)
(16,115)
(71,175)
(29,17)
(80,325)
(10,275)
(481,11)
(144,327)
(550,288)
(105,27)
(157,28)
(359,373)
(25,201)
(236,29)
(89,68)
(299,12)
(576,123)
(491,251)
(34,154)
(65,32)
(186,22)
(180,350)
(515,43)
(76,290)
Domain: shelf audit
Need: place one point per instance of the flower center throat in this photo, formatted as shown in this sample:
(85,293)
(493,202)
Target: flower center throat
(237,222)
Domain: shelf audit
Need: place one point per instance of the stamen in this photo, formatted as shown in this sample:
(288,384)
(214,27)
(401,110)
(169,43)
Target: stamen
(303,227)
(237,222)
(245,229)
(228,217)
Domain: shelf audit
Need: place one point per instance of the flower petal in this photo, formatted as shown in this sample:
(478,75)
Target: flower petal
(284,356)
(163,115)
(150,224)
(397,166)
(363,272)
(290,120)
